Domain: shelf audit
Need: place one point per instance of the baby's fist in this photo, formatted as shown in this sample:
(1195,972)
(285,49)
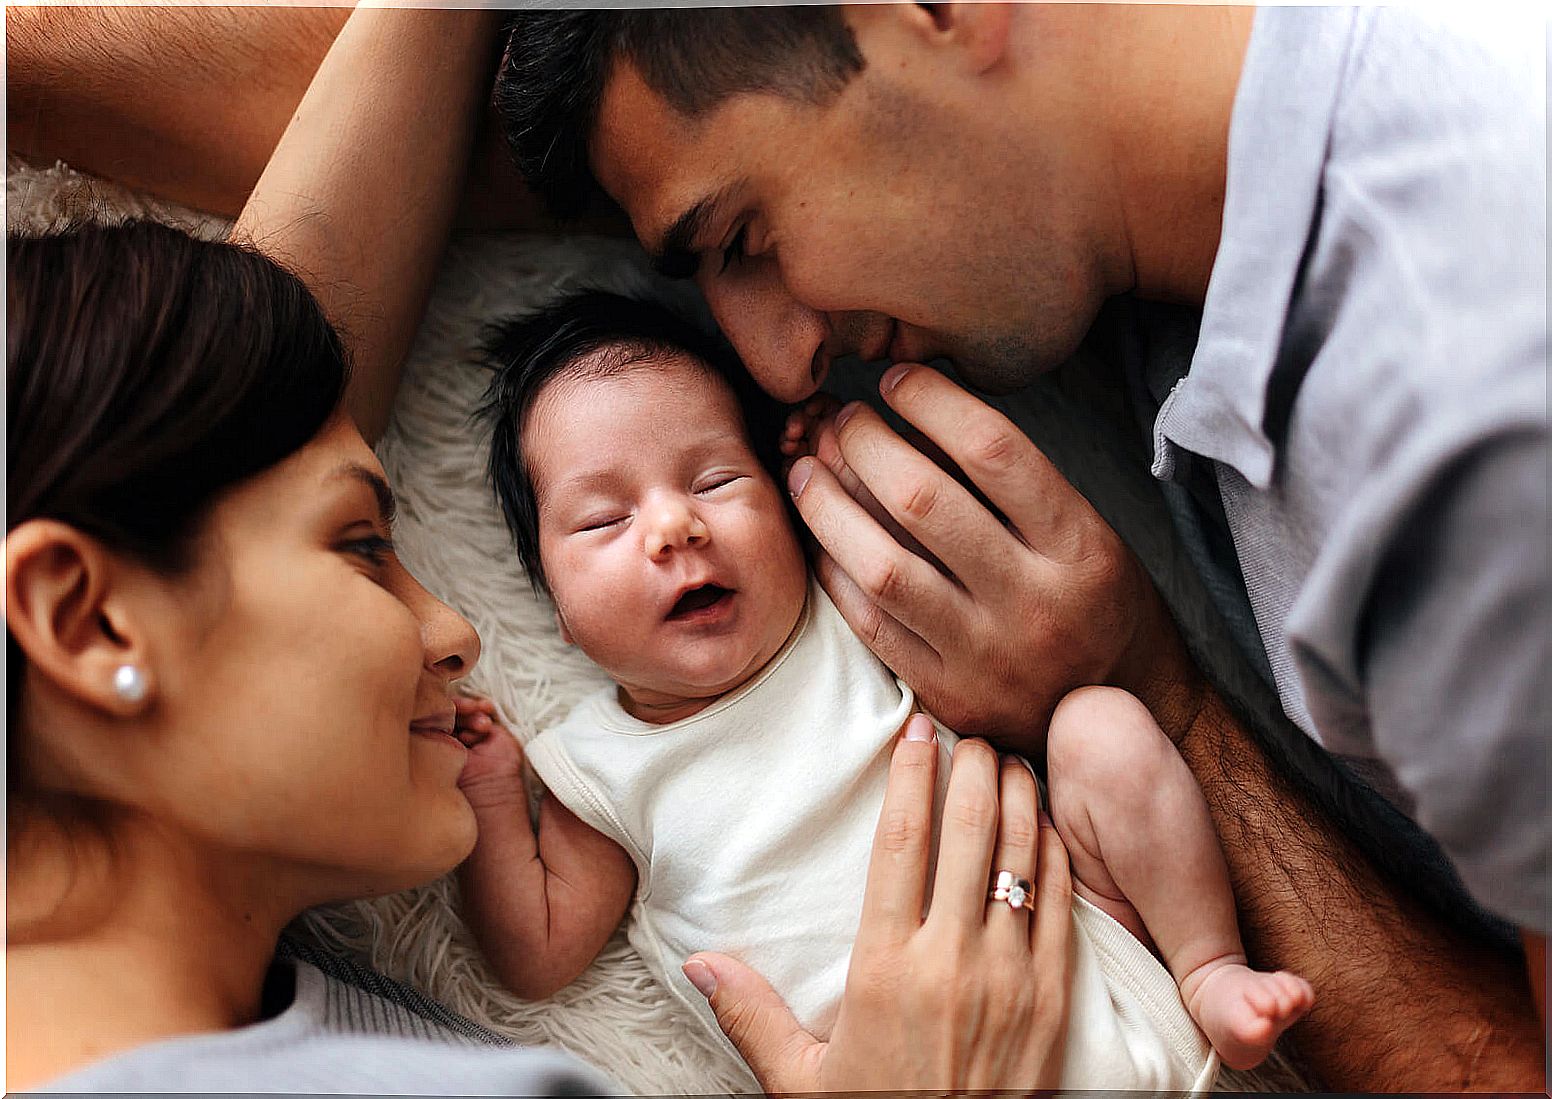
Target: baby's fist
(493,770)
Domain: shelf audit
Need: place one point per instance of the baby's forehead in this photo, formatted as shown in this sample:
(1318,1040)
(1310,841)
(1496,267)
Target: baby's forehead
(644,370)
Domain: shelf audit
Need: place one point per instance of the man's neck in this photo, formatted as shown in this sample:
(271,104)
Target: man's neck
(1180,66)
(145,943)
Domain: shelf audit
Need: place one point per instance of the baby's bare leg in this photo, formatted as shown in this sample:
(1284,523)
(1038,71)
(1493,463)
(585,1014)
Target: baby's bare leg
(1143,849)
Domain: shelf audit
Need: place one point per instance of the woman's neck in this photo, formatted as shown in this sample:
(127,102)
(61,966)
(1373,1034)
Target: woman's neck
(121,935)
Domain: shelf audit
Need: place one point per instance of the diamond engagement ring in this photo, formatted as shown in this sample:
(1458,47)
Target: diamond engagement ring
(1013,889)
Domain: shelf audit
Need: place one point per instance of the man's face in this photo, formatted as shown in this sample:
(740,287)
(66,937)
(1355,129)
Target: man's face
(900,220)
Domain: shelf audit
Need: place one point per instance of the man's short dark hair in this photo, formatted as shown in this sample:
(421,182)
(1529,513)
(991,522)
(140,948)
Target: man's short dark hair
(596,333)
(552,78)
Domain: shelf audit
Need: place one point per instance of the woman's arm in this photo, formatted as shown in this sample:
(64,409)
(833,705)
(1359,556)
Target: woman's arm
(543,903)
(359,195)
(189,102)
(960,998)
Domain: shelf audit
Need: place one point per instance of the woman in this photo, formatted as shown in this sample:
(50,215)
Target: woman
(229,701)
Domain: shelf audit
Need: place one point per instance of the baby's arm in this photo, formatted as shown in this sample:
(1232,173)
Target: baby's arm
(541,905)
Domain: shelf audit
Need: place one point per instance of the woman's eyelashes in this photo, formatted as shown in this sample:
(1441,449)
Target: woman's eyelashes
(372,548)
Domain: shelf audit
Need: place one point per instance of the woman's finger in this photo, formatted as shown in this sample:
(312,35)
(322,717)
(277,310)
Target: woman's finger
(1051,941)
(785,1058)
(969,831)
(897,872)
(1017,852)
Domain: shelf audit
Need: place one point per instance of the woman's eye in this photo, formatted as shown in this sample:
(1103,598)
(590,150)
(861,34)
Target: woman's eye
(374,549)
(599,524)
(735,249)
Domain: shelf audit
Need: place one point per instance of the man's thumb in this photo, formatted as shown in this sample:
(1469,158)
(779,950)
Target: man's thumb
(784,1056)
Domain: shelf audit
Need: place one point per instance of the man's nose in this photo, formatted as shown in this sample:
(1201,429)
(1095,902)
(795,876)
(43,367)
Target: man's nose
(780,340)
(673,524)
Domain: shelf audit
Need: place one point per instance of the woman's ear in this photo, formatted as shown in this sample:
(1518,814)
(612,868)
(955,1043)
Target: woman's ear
(66,609)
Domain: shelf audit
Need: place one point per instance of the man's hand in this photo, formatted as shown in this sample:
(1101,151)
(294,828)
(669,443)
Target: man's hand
(1022,610)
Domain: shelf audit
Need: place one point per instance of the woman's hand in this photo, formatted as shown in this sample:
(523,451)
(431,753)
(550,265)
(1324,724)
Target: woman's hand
(974,994)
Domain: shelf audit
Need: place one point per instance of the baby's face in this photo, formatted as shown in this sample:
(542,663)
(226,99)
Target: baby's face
(666,544)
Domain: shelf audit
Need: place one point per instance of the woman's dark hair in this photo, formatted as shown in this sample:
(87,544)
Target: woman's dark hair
(605,333)
(146,371)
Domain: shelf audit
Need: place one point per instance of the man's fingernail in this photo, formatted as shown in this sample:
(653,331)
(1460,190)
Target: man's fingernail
(892,377)
(700,975)
(798,475)
(847,412)
(919,728)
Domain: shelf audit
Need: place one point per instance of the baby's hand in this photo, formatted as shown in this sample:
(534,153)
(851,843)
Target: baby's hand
(492,773)
(805,426)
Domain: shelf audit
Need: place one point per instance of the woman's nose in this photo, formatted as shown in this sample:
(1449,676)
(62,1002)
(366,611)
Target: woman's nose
(673,525)
(452,647)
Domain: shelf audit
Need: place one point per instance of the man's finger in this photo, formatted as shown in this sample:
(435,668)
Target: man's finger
(907,655)
(1015,476)
(783,1056)
(903,585)
(897,870)
(929,504)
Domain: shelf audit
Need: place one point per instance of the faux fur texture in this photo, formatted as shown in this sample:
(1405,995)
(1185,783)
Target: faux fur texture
(451,536)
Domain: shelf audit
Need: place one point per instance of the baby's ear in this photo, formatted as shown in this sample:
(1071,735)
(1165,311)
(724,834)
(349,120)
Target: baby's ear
(560,624)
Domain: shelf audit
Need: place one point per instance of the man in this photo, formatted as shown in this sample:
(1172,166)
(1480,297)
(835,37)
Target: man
(973,181)
(1364,414)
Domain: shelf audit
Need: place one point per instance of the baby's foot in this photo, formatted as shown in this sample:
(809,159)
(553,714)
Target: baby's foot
(1243,1012)
(805,425)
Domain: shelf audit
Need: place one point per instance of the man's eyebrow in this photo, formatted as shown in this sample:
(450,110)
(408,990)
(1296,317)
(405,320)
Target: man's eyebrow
(676,255)
(387,507)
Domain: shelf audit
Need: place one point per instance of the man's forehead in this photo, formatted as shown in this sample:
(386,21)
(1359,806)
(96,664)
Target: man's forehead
(639,144)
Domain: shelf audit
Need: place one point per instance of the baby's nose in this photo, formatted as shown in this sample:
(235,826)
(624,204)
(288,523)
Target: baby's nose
(675,526)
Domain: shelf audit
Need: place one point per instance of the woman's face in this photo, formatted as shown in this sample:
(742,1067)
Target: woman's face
(302,709)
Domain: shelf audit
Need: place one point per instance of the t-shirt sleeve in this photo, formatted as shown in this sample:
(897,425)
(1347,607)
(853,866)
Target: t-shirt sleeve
(1452,650)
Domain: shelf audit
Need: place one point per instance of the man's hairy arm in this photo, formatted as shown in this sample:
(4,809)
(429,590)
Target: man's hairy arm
(1405,1002)
(189,102)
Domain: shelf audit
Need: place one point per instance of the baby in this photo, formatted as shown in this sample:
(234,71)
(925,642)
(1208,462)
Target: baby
(726,788)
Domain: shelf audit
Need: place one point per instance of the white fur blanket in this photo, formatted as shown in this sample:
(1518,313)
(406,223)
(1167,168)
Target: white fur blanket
(451,535)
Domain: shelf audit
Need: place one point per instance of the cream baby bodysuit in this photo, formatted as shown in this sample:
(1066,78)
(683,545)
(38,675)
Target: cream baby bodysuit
(751,825)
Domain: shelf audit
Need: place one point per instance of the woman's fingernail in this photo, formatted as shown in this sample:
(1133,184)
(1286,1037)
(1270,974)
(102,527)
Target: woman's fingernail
(797,477)
(847,412)
(919,728)
(700,975)
(892,377)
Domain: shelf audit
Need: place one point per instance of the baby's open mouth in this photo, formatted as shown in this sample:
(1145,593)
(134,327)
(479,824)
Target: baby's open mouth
(699,599)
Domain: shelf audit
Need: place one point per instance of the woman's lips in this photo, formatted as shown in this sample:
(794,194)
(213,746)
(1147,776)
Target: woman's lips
(435,729)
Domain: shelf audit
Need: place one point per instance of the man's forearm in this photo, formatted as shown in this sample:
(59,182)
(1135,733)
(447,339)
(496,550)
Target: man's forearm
(1402,1003)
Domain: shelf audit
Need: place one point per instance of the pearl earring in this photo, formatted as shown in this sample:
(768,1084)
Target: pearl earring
(129,683)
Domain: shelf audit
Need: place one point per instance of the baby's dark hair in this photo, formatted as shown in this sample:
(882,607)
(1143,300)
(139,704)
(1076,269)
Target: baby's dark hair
(599,333)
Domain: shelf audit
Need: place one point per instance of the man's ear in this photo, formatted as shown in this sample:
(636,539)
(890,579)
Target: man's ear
(70,619)
(980,32)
